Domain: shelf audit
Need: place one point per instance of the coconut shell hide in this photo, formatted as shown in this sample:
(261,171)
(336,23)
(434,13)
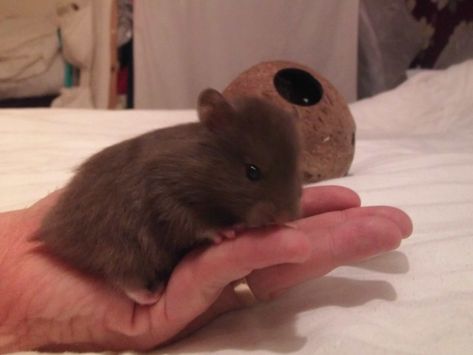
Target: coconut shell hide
(325,123)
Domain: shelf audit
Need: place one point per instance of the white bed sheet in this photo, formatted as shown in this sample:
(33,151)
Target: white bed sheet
(414,151)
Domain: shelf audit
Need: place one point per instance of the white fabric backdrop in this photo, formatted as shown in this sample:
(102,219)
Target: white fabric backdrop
(181,47)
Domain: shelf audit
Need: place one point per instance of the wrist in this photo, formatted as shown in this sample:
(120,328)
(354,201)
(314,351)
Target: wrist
(12,336)
(30,318)
(18,330)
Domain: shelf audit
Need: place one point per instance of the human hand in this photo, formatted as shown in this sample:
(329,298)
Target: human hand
(46,304)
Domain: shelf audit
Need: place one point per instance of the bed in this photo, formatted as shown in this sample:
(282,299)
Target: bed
(414,151)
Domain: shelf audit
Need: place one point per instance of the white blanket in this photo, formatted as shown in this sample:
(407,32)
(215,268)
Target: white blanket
(414,151)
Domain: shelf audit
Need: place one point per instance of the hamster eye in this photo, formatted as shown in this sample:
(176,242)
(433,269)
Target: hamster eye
(252,172)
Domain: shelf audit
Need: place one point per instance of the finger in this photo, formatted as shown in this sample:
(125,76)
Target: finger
(359,234)
(397,216)
(200,278)
(356,239)
(320,199)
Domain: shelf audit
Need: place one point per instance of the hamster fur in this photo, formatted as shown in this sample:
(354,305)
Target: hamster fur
(134,209)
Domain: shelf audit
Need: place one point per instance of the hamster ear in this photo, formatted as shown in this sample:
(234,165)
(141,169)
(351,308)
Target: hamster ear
(214,110)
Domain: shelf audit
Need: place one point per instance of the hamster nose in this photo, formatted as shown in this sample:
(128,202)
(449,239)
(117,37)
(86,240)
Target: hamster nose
(287,215)
(262,213)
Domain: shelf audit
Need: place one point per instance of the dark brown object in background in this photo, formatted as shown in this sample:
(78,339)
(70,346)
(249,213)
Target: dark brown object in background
(114,65)
(25,102)
(325,123)
(444,21)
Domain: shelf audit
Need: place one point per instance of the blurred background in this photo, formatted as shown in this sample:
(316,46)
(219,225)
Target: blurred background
(159,54)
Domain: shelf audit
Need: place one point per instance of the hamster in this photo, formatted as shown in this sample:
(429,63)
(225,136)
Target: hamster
(134,209)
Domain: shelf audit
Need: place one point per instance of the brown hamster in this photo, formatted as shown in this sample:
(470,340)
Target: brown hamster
(135,208)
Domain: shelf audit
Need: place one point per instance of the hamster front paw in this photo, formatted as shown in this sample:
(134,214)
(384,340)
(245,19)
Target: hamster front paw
(217,237)
(220,236)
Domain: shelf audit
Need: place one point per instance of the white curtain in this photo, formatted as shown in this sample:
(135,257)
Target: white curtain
(182,47)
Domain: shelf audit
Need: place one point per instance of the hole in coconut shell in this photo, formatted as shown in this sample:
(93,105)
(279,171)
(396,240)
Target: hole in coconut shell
(298,87)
